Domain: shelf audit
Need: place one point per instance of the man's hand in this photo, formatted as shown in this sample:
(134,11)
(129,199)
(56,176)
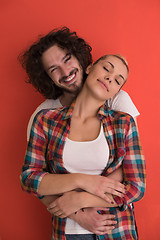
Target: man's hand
(65,205)
(94,222)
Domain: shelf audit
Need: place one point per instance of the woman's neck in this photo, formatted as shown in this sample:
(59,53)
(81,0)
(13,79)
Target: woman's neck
(86,105)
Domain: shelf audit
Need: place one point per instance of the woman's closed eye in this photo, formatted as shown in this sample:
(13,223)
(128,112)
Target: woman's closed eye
(106,69)
(117,82)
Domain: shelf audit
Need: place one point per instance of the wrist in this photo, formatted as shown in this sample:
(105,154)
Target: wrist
(83,200)
(80,180)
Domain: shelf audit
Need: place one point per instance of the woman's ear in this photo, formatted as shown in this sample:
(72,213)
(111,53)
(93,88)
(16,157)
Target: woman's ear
(88,69)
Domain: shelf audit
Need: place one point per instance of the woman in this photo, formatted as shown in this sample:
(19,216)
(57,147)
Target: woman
(87,140)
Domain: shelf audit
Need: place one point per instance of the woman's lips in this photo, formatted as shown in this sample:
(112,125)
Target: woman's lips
(103,85)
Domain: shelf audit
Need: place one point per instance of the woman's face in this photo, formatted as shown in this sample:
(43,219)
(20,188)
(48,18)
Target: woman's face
(106,77)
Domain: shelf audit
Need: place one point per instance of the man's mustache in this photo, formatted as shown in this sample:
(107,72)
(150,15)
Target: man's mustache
(70,74)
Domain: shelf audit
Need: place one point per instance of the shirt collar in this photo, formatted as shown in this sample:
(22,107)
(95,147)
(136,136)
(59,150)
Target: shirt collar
(68,111)
(104,111)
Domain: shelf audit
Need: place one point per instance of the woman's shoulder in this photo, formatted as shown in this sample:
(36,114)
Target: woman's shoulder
(120,116)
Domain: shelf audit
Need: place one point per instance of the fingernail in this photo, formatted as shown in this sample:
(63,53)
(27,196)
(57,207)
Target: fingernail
(75,213)
(112,202)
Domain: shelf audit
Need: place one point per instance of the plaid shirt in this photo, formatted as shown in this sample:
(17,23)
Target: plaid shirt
(44,154)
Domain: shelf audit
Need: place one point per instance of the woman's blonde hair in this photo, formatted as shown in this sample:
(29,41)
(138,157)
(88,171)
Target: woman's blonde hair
(114,55)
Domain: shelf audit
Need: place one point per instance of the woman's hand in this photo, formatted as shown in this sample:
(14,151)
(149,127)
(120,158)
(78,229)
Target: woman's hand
(99,185)
(65,205)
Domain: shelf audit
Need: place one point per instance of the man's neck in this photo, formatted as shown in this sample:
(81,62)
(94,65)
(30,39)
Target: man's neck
(66,99)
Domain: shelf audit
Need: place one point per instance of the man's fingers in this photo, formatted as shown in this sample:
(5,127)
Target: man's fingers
(107,217)
(103,230)
(51,205)
(58,212)
(110,222)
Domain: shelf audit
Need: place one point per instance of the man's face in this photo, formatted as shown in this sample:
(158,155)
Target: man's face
(63,68)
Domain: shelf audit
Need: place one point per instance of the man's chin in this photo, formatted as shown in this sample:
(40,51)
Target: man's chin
(73,89)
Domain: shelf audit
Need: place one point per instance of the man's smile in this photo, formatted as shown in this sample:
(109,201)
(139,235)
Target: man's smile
(70,79)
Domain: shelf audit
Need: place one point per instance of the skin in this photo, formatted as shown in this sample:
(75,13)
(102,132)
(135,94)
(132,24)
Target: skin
(110,74)
(102,83)
(108,79)
(65,71)
(90,219)
(57,64)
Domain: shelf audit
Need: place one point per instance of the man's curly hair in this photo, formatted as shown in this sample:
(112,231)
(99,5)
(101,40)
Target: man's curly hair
(31,59)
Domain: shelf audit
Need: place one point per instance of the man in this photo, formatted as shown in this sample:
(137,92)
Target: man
(56,66)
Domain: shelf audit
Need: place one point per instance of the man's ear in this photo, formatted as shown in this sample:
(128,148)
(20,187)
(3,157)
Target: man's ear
(88,69)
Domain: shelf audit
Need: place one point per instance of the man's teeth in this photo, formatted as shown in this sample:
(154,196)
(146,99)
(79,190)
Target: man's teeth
(70,78)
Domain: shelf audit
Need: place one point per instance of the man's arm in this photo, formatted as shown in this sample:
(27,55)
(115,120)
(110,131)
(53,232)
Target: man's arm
(89,218)
(72,201)
(123,103)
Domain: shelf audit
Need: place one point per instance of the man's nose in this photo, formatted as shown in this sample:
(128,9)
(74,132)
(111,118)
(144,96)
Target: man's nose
(64,71)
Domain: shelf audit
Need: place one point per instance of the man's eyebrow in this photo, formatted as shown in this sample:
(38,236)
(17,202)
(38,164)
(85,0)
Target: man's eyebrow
(51,67)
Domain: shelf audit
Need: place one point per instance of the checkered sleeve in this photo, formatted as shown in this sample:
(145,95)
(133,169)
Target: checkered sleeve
(134,171)
(34,167)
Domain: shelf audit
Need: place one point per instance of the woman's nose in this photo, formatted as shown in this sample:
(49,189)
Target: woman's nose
(108,79)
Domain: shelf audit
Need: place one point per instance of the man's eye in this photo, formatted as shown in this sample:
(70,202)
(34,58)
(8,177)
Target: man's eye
(67,58)
(106,69)
(117,82)
(53,69)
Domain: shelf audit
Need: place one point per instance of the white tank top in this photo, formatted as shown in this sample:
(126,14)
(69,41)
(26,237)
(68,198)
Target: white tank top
(88,158)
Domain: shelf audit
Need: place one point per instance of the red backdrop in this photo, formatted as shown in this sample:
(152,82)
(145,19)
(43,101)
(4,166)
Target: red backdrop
(117,26)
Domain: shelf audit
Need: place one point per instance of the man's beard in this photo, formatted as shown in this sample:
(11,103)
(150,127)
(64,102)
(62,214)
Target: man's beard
(75,90)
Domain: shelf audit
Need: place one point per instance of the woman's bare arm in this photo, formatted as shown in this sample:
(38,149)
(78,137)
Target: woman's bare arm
(73,201)
(53,184)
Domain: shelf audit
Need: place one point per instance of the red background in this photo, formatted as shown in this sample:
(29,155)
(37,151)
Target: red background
(129,27)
